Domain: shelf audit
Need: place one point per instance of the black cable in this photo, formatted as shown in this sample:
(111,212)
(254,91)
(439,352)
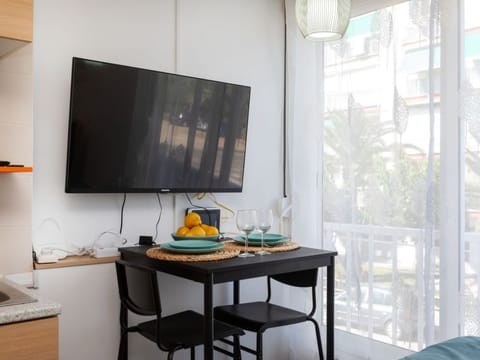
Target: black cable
(121,212)
(159,217)
(189,200)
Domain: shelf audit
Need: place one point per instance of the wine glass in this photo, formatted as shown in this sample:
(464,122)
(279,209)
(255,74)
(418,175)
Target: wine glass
(263,224)
(246,220)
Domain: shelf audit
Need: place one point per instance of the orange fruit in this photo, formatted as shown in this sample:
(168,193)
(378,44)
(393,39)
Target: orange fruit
(196,231)
(205,227)
(192,219)
(211,230)
(182,230)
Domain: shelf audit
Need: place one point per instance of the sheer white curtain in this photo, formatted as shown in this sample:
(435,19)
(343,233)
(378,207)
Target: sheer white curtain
(470,115)
(364,145)
(304,175)
(304,147)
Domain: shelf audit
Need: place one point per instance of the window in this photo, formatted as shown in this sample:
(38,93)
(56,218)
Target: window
(381,173)
(393,119)
(399,100)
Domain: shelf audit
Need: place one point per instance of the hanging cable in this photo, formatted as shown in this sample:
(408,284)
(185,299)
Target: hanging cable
(159,217)
(189,200)
(121,212)
(218,203)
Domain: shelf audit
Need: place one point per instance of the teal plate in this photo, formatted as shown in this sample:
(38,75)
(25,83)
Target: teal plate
(266,237)
(168,246)
(253,238)
(241,240)
(208,237)
(193,244)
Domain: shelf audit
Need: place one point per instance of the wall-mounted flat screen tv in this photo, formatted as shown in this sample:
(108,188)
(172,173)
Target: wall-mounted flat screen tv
(137,130)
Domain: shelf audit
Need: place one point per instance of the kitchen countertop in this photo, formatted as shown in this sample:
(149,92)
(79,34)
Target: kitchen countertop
(35,310)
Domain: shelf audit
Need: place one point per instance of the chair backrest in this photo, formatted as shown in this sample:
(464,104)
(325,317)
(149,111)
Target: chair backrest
(138,288)
(303,278)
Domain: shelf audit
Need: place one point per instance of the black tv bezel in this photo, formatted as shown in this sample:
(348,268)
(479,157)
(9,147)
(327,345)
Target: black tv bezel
(82,190)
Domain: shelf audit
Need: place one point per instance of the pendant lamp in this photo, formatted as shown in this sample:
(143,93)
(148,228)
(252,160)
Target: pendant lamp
(323,20)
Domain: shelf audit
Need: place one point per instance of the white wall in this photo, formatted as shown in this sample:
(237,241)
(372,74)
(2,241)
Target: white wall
(137,33)
(239,41)
(88,324)
(16,128)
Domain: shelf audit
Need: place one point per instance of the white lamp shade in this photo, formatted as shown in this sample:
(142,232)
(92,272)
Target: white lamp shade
(323,19)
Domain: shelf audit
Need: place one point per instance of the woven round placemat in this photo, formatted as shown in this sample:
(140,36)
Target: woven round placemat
(161,254)
(289,245)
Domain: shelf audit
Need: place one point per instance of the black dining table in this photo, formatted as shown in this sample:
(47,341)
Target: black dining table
(235,269)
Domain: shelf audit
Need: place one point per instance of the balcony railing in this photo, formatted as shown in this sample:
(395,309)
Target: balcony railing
(380,282)
(379,271)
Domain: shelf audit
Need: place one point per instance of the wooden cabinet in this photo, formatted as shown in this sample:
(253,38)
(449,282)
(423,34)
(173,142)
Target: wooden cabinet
(27,340)
(16,19)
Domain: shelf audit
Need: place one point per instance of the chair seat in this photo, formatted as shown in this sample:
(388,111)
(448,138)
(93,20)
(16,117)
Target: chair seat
(258,316)
(184,330)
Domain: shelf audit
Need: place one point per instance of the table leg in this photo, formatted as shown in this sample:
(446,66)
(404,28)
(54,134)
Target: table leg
(236,292)
(330,309)
(208,314)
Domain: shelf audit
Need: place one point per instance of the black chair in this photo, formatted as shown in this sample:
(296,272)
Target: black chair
(139,293)
(262,315)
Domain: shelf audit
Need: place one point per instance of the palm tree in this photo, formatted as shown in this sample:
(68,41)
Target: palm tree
(370,176)
(354,145)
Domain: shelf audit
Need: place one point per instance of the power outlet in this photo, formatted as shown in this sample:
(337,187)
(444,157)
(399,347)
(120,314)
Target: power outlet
(209,215)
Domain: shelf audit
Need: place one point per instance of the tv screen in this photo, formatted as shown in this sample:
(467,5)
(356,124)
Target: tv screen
(138,130)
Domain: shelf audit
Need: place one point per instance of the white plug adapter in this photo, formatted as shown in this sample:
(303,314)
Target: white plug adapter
(105,252)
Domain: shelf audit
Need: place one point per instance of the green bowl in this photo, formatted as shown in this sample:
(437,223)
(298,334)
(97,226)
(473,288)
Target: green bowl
(207,237)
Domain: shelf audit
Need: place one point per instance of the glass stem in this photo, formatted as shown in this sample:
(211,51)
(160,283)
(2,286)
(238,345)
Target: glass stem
(262,242)
(246,242)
